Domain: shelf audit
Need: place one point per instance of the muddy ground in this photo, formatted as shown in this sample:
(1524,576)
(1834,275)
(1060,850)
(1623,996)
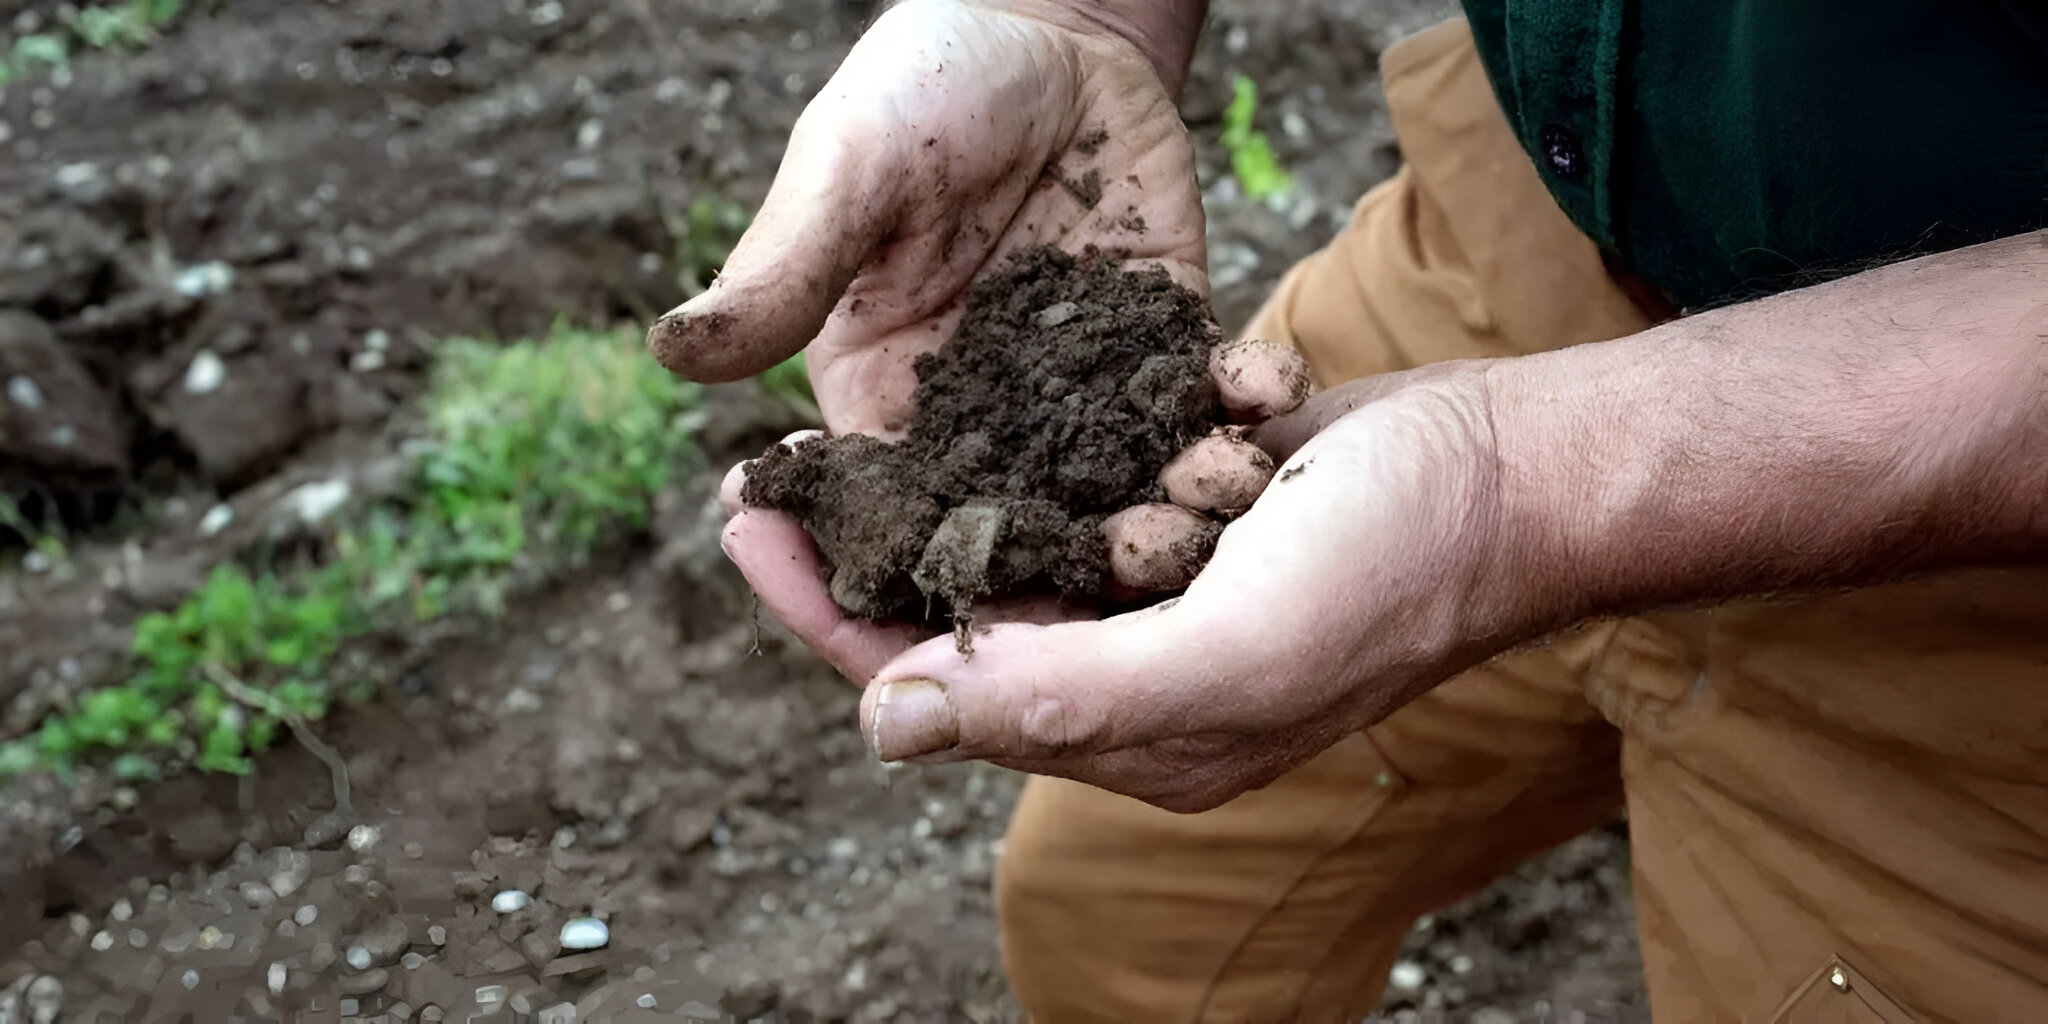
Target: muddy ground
(219,257)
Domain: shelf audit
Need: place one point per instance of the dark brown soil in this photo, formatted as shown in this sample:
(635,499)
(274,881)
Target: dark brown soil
(1069,385)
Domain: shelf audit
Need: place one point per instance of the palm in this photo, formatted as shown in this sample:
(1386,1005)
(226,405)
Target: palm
(951,136)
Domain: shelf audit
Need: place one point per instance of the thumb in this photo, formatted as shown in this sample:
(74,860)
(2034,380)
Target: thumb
(823,217)
(1047,692)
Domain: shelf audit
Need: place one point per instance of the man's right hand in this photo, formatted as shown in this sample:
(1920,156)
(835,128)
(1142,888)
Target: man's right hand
(954,134)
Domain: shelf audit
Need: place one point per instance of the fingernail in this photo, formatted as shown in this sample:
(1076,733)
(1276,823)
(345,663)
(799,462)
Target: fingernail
(912,717)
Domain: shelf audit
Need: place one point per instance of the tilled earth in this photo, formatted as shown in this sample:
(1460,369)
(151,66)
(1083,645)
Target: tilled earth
(219,258)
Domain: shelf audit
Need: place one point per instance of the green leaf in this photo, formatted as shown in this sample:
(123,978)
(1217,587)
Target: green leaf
(132,767)
(1251,157)
(43,48)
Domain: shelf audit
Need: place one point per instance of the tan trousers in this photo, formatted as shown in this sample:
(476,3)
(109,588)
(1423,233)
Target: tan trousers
(1838,807)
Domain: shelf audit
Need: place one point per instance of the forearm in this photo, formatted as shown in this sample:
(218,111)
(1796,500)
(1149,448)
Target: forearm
(1888,423)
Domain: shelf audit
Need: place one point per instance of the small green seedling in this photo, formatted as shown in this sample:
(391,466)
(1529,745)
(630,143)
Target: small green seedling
(1251,157)
(790,381)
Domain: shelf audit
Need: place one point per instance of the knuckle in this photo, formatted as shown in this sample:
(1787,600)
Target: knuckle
(1053,726)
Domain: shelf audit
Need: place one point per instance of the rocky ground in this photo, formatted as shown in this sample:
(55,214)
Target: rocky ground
(219,258)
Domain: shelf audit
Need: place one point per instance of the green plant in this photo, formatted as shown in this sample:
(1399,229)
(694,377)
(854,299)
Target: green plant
(1251,157)
(44,48)
(124,26)
(709,229)
(790,381)
(537,453)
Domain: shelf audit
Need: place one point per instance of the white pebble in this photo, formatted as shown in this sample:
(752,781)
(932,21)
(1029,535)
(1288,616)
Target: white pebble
(306,915)
(585,933)
(437,935)
(1461,964)
(362,837)
(511,901)
(1407,976)
(45,997)
(102,941)
(646,1001)
(204,374)
(24,392)
(203,279)
(358,958)
(216,519)
(123,910)
(190,979)
(294,867)
(275,978)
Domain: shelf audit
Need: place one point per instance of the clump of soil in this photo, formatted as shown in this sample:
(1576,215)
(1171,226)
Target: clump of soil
(1068,386)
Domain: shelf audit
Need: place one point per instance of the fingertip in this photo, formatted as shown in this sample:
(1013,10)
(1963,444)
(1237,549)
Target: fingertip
(731,332)
(1221,474)
(1259,379)
(1157,547)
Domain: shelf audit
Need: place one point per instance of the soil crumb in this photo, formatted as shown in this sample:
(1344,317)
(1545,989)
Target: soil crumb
(1069,385)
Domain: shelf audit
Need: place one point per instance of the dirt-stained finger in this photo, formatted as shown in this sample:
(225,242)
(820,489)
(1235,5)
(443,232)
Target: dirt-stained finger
(735,480)
(1157,547)
(1220,474)
(1258,379)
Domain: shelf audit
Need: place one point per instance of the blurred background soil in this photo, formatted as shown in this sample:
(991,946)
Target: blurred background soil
(223,257)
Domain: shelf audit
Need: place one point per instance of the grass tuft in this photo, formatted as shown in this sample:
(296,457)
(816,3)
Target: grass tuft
(536,455)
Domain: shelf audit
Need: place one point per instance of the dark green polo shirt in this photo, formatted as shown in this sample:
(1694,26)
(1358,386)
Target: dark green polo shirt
(1725,149)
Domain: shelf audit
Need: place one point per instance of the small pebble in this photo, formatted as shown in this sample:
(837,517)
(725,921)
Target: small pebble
(209,937)
(585,933)
(511,901)
(362,837)
(138,939)
(646,1001)
(190,979)
(1407,976)
(415,850)
(102,942)
(276,977)
(45,997)
(204,374)
(359,958)
(306,915)
(412,961)
(437,935)
(257,895)
(123,910)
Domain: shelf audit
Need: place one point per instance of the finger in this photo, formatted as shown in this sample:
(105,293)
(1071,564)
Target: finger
(1055,693)
(1188,776)
(732,487)
(1221,474)
(782,565)
(1283,435)
(1156,547)
(827,210)
(1259,380)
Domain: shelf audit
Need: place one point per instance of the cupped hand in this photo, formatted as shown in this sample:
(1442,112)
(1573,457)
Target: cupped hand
(954,135)
(1379,562)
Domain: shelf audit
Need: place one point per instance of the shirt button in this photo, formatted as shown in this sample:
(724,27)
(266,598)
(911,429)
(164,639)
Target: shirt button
(1561,151)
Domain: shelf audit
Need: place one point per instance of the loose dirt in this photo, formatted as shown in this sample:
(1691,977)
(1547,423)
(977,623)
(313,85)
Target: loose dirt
(1068,386)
